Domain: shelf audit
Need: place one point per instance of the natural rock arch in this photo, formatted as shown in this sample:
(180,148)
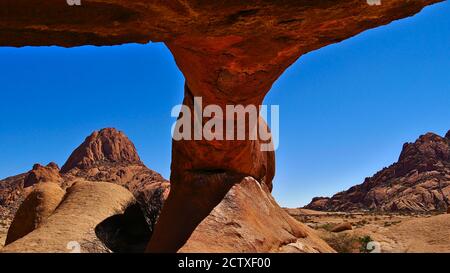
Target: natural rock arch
(230,52)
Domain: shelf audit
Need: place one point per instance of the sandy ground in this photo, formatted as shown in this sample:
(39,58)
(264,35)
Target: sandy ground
(387,232)
(429,234)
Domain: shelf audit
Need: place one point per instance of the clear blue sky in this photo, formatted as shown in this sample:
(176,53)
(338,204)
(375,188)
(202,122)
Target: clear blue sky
(345,110)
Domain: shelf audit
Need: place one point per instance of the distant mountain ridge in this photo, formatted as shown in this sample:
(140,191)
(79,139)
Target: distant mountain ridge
(418,182)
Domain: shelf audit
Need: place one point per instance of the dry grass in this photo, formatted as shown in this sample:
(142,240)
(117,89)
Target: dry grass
(346,243)
(395,232)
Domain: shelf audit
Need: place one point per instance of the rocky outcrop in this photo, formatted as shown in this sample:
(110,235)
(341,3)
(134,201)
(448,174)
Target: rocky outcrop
(105,156)
(418,182)
(238,65)
(249,220)
(148,187)
(342,227)
(248,216)
(71,227)
(14,189)
(229,52)
(103,147)
(36,208)
(39,174)
(109,156)
(318,203)
(11,194)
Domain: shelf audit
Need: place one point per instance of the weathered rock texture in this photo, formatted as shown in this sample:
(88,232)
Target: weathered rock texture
(246,220)
(36,208)
(14,189)
(418,182)
(73,223)
(106,156)
(11,194)
(342,227)
(230,52)
(249,220)
(106,146)
(109,156)
(39,173)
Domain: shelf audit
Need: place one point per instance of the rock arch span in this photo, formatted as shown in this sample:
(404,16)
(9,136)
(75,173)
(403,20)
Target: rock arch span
(230,52)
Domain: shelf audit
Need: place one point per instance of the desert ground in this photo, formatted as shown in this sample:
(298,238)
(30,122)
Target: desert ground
(228,52)
(390,232)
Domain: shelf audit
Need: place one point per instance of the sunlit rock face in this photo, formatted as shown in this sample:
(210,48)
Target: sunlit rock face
(102,147)
(230,52)
(418,182)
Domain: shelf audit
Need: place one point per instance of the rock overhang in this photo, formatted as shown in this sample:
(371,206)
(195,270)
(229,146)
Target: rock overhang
(228,51)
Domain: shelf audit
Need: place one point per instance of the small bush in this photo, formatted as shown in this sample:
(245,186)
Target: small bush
(327,227)
(343,243)
(364,242)
(346,243)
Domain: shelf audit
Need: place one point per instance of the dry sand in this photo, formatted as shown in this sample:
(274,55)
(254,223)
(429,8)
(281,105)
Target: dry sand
(393,232)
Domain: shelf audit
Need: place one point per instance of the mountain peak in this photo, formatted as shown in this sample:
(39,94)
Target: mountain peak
(428,147)
(105,146)
(417,182)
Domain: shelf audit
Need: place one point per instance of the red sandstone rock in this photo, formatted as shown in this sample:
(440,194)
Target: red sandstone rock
(36,208)
(14,189)
(318,203)
(148,187)
(259,224)
(83,208)
(419,181)
(229,52)
(11,193)
(109,156)
(342,227)
(106,146)
(39,174)
(95,161)
(249,220)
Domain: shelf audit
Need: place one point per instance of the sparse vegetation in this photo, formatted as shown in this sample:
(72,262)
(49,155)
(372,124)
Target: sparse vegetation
(343,242)
(347,243)
(388,224)
(364,244)
(326,226)
(362,223)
